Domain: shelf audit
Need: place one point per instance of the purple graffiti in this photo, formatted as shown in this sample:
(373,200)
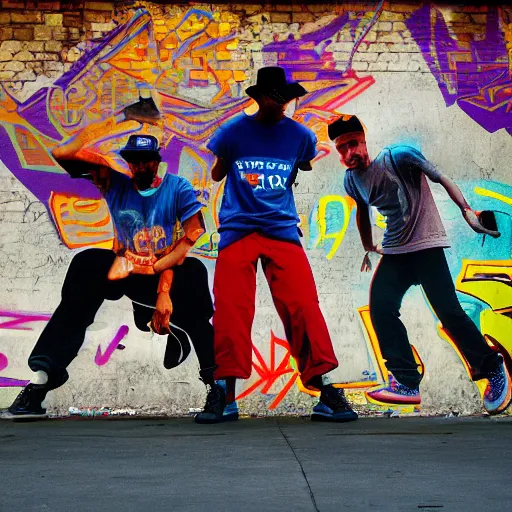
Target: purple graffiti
(7,382)
(21,318)
(474,74)
(103,358)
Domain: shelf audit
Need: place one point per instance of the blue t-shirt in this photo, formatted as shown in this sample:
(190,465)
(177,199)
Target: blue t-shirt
(145,225)
(262,164)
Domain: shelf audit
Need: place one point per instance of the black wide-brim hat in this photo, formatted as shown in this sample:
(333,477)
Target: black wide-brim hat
(272,82)
(140,147)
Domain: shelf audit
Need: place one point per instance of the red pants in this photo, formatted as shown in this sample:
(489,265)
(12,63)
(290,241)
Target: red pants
(294,293)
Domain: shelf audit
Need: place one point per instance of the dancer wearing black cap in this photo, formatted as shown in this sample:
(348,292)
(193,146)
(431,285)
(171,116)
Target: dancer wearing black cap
(413,254)
(259,157)
(147,264)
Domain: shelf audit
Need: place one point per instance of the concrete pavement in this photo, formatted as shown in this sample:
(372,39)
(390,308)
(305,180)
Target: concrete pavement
(256,465)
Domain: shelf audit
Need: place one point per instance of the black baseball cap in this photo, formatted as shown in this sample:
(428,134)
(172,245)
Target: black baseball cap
(343,125)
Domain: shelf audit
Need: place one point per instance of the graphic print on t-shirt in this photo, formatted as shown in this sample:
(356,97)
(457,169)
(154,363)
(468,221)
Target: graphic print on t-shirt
(137,236)
(265,175)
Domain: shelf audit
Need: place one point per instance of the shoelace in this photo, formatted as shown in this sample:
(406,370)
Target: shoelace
(212,399)
(340,399)
(23,397)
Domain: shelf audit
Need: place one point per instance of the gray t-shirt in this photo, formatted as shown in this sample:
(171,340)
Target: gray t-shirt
(395,184)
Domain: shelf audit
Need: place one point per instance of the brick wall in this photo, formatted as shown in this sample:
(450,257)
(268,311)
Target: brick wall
(43,39)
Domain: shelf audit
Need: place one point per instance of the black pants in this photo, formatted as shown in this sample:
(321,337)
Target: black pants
(86,287)
(395,274)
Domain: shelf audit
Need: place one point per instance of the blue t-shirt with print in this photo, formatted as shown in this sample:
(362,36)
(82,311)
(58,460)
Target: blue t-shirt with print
(262,162)
(145,224)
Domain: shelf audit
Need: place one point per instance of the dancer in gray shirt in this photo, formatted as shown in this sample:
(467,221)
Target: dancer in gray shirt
(412,254)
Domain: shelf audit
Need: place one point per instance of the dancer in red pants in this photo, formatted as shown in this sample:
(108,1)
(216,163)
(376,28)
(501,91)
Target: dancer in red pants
(259,156)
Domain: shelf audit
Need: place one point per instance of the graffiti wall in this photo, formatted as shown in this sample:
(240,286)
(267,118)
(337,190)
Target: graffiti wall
(435,77)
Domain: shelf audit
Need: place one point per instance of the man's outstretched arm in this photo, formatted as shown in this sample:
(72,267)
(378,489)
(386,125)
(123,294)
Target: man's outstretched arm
(470,216)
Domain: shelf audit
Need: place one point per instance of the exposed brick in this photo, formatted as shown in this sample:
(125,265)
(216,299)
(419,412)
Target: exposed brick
(371,36)
(399,26)
(12,4)
(341,47)
(53,19)
(6,75)
(42,33)
(458,17)
(390,38)
(391,16)
(280,17)
(378,47)
(48,6)
(404,48)
(32,17)
(283,8)
(5,56)
(14,66)
(404,8)
(366,57)
(11,46)
(73,55)
(388,57)
(302,17)
(479,18)
(398,66)
(36,66)
(341,56)
(6,33)
(53,46)
(106,27)
(360,66)
(96,17)
(60,33)
(53,66)
(384,26)
(27,76)
(34,46)
(24,34)
(5,18)
(24,56)
(100,6)
(47,56)
(378,66)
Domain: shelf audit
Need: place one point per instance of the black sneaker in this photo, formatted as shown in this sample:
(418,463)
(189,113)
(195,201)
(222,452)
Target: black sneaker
(214,408)
(333,406)
(27,404)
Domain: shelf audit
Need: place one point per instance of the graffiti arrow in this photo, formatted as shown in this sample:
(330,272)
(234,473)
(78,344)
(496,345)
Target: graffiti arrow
(102,358)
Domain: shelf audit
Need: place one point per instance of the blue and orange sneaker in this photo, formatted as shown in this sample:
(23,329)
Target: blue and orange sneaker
(498,392)
(394,393)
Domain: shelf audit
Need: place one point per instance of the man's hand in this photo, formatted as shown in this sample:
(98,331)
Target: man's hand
(162,315)
(473,221)
(378,248)
(366,266)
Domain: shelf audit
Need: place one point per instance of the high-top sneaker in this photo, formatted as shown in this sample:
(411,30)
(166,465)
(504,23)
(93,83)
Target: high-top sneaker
(27,404)
(333,406)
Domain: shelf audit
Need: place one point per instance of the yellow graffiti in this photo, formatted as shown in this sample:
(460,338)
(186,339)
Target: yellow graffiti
(495,195)
(348,205)
(82,222)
